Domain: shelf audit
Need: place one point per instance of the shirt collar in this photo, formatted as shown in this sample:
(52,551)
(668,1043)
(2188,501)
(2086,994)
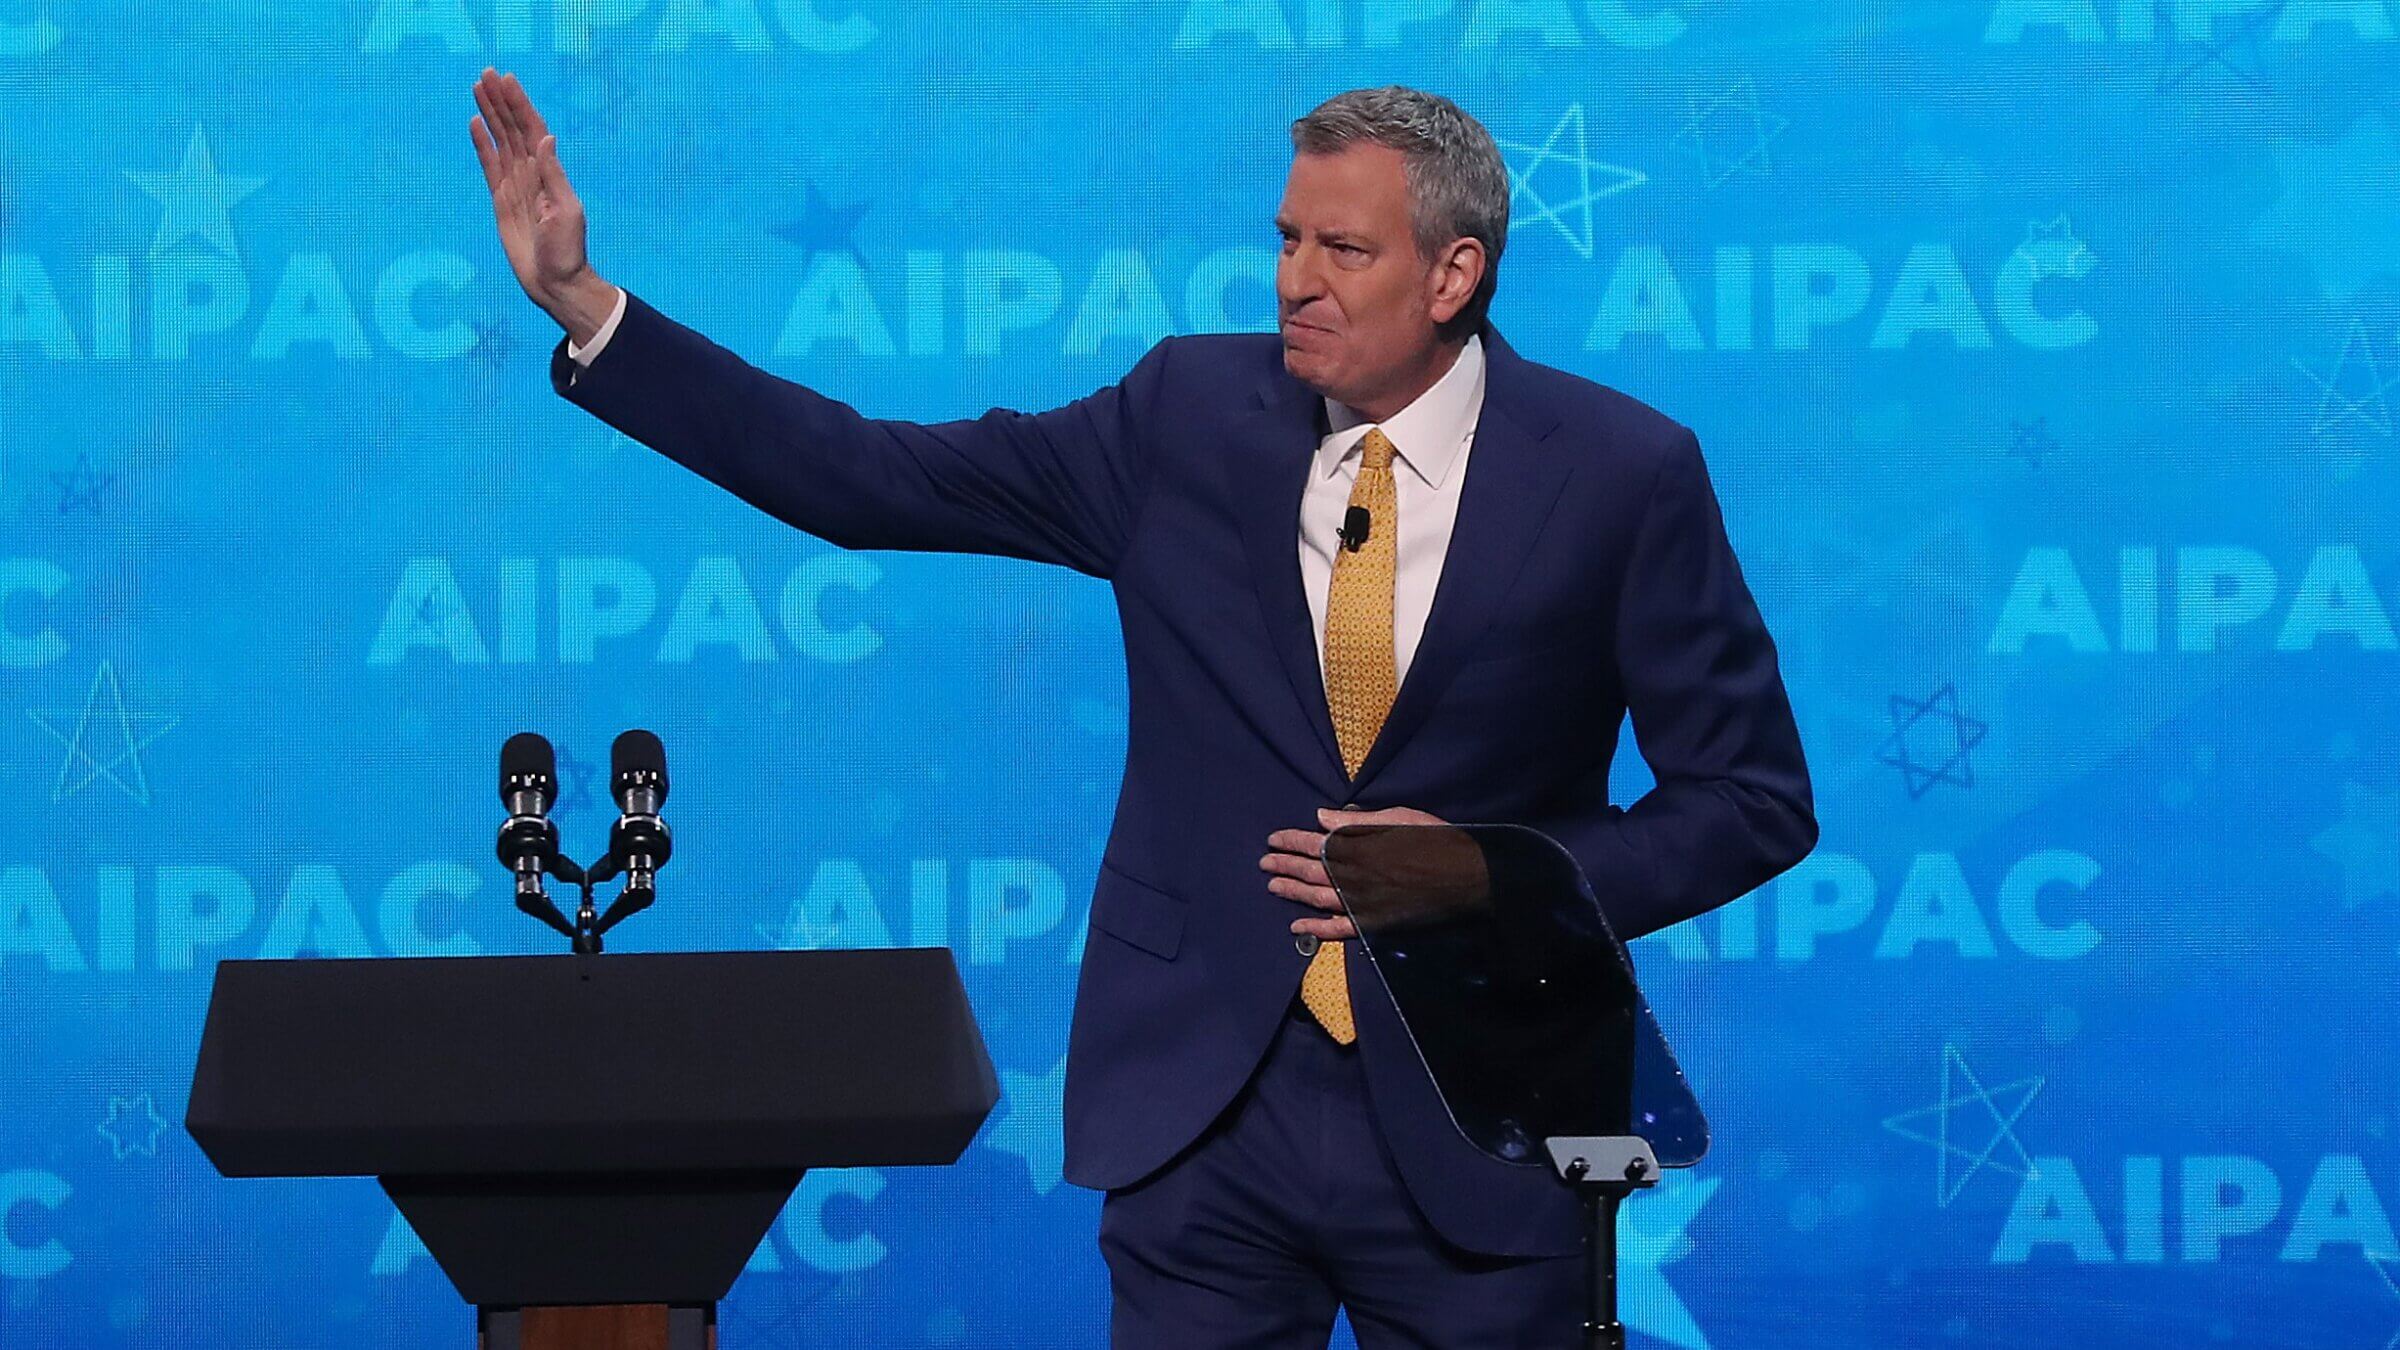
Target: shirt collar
(1428,434)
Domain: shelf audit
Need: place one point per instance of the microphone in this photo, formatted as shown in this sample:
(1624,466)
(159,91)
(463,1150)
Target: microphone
(1355,524)
(639,843)
(528,842)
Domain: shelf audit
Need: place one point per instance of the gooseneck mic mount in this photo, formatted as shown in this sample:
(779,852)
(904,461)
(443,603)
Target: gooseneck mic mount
(638,844)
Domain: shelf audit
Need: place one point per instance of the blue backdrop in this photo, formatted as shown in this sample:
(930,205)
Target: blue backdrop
(2046,355)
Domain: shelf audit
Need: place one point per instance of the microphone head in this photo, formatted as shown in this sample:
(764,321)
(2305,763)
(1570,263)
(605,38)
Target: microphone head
(1355,524)
(637,759)
(527,761)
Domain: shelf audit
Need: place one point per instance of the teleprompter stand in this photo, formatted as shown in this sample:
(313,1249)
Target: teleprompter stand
(1523,1007)
(590,1146)
(1603,1169)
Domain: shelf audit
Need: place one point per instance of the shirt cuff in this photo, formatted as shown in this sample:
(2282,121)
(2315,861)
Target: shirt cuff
(583,356)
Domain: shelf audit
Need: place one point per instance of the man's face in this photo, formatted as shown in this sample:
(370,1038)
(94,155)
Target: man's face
(1356,300)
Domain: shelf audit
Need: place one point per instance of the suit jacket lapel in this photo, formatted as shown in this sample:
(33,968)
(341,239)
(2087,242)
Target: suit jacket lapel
(1267,471)
(1513,480)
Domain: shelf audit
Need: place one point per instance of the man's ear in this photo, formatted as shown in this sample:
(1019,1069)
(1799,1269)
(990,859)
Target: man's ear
(1456,273)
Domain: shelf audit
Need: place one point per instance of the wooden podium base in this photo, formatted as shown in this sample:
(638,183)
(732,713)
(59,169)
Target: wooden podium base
(616,1326)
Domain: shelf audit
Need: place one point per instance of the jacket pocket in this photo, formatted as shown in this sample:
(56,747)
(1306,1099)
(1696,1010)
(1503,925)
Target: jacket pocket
(1137,913)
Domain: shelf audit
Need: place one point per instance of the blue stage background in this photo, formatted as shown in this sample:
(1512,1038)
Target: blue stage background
(2046,356)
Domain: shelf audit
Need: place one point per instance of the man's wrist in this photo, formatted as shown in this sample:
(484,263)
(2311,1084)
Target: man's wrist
(582,305)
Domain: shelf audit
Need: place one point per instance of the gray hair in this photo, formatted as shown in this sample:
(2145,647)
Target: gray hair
(1458,187)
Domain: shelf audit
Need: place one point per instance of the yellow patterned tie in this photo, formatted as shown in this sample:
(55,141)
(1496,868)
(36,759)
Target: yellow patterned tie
(1362,677)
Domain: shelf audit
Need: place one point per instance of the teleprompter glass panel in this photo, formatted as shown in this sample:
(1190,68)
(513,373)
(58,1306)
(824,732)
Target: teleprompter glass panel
(1521,1002)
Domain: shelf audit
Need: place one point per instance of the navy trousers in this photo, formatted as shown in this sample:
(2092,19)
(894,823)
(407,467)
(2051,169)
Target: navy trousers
(1287,1208)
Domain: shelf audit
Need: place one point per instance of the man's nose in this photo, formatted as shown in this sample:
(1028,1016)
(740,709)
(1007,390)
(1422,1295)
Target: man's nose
(1296,281)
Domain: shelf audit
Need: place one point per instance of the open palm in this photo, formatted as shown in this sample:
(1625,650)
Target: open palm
(541,219)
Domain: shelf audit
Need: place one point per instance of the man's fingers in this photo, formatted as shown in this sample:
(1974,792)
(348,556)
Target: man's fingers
(1306,870)
(535,127)
(485,115)
(1327,930)
(1296,841)
(520,112)
(495,107)
(1316,897)
(486,154)
(554,177)
(494,121)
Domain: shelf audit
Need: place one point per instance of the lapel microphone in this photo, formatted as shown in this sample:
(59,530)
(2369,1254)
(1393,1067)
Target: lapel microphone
(1355,524)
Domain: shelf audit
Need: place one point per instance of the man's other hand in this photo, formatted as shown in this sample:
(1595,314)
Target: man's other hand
(1298,872)
(541,219)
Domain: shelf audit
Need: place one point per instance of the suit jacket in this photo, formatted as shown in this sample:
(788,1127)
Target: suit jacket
(1589,574)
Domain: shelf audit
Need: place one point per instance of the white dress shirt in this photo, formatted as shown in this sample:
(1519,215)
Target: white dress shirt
(1430,441)
(582,356)
(1431,438)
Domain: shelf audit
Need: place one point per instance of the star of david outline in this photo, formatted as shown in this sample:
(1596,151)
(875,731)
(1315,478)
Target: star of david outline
(2029,441)
(133,1126)
(1956,769)
(2248,33)
(1741,99)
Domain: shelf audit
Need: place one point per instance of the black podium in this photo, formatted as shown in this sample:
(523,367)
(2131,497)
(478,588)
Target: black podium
(1524,1009)
(590,1146)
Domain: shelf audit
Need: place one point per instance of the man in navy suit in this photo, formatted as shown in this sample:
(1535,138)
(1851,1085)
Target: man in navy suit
(1552,557)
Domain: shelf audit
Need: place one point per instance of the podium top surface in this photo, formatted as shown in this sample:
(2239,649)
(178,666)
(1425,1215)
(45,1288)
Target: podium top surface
(665,1062)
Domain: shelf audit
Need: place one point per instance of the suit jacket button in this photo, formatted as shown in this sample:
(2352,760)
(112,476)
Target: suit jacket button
(1305,943)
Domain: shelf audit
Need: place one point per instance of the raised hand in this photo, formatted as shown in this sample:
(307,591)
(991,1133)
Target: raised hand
(540,217)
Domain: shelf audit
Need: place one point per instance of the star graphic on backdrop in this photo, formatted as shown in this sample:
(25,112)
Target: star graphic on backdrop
(1651,1233)
(433,610)
(198,199)
(2337,207)
(2029,441)
(781,1311)
(599,92)
(2353,388)
(1613,179)
(1731,134)
(398,1250)
(574,781)
(1986,1137)
(2387,1269)
(822,226)
(1030,1130)
(2051,249)
(79,488)
(107,741)
(2366,842)
(133,1125)
(795,933)
(2248,34)
(491,350)
(1964,734)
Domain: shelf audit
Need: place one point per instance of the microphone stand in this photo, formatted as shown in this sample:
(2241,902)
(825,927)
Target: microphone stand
(587,926)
